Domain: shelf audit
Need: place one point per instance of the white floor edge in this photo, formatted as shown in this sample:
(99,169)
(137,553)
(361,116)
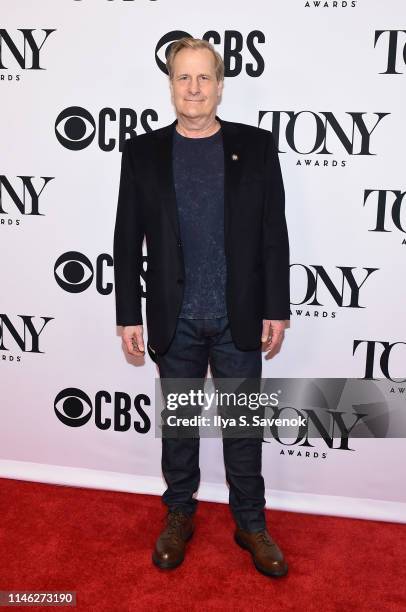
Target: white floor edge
(362,508)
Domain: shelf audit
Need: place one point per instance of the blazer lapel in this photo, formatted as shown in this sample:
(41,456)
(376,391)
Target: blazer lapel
(233,160)
(166,179)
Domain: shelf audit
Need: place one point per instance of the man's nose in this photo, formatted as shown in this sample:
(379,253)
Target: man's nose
(194,86)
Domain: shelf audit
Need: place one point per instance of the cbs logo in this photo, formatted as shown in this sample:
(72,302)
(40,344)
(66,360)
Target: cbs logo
(117,411)
(233,43)
(75,127)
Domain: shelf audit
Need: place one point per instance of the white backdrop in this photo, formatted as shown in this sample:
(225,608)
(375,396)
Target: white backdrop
(316,68)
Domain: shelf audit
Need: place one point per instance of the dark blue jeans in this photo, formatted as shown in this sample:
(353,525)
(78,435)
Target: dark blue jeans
(196,344)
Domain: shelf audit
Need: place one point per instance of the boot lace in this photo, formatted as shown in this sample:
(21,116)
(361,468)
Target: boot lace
(262,538)
(175,523)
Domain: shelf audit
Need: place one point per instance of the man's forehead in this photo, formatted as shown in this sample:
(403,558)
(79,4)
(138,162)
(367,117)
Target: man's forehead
(198,59)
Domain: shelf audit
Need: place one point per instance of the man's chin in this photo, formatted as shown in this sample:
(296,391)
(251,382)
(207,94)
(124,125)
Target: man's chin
(192,113)
(196,107)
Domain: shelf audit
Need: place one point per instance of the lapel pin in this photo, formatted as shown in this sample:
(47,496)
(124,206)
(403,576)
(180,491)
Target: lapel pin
(234,157)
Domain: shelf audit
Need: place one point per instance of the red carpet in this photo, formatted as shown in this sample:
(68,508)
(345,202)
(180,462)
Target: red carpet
(98,543)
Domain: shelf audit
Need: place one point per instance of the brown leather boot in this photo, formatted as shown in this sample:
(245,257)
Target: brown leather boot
(170,547)
(266,554)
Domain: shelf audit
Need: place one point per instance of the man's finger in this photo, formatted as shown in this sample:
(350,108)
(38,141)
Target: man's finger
(275,337)
(132,347)
(139,340)
(136,349)
(274,351)
(265,330)
(275,345)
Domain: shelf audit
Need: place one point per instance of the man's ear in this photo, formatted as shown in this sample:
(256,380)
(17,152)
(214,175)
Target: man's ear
(220,86)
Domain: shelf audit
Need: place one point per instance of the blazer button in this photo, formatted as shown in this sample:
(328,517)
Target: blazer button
(180,281)
(179,244)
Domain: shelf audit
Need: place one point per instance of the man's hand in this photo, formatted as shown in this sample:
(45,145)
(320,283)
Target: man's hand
(273,333)
(133,338)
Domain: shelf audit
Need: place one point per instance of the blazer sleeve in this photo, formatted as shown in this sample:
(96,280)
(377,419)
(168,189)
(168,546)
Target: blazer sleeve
(275,243)
(127,246)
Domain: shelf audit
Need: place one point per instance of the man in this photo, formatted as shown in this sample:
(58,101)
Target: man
(208,196)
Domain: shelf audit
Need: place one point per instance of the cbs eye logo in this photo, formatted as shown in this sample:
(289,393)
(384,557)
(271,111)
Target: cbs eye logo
(75,128)
(74,272)
(167,40)
(74,408)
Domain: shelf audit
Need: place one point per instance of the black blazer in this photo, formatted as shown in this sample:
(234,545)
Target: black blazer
(256,237)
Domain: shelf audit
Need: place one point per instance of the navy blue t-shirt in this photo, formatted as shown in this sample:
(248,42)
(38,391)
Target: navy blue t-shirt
(198,168)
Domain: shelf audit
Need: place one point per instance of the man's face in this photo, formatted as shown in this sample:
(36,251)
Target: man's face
(194,88)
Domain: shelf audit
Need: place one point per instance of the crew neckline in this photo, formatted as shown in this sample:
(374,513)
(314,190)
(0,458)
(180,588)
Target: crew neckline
(203,138)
